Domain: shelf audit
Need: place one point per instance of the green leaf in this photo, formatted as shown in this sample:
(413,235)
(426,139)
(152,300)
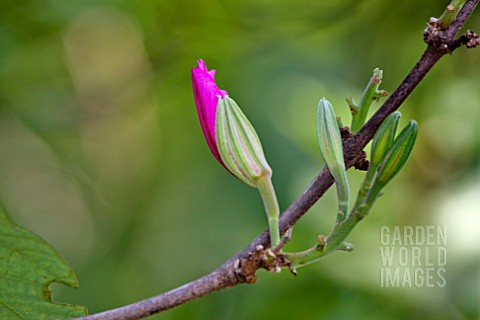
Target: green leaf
(28,265)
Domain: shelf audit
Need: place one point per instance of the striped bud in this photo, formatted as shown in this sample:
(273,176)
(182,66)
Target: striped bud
(398,154)
(329,139)
(330,143)
(238,143)
(384,138)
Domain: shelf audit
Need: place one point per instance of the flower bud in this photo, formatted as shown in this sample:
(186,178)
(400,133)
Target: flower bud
(238,143)
(329,139)
(384,138)
(234,142)
(398,154)
(330,143)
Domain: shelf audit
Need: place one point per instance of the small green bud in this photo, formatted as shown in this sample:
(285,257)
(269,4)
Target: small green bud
(329,139)
(238,143)
(398,154)
(330,143)
(384,138)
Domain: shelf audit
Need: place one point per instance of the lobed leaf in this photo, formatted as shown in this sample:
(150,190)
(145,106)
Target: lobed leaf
(28,265)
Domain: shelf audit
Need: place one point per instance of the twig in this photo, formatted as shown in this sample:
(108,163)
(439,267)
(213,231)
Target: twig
(241,268)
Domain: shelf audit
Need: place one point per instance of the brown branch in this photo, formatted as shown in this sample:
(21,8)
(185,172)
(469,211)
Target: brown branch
(241,268)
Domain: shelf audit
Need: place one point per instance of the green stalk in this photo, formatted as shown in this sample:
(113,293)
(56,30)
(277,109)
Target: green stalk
(334,242)
(336,239)
(265,187)
(450,13)
(369,95)
(365,187)
(391,163)
(343,194)
(382,141)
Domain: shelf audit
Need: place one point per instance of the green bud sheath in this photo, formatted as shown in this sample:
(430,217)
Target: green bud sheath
(330,143)
(238,143)
(384,138)
(398,154)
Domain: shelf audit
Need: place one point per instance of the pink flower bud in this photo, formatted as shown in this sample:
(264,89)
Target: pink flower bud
(234,142)
(206,94)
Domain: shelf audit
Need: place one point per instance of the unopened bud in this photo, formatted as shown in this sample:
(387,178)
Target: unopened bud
(398,154)
(329,139)
(330,143)
(238,143)
(384,138)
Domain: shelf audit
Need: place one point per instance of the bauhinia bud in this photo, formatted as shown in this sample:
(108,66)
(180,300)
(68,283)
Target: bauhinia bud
(238,143)
(384,138)
(330,143)
(398,154)
(234,142)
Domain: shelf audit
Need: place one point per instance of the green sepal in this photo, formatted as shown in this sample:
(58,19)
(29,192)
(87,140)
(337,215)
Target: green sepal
(238,143)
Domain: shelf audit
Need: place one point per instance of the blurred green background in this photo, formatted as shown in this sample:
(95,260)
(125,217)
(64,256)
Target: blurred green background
(102,153)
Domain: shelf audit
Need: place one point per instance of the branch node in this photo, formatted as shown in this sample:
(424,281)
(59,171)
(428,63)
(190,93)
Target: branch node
(435,35)
(244,270)
(268,259)
(361,163)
